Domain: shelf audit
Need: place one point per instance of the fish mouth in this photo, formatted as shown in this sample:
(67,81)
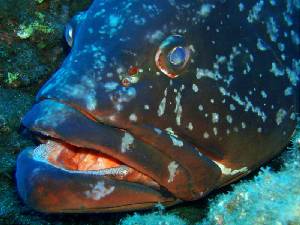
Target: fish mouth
(84,166)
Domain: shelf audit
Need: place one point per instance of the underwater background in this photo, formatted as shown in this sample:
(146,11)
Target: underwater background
(32,47)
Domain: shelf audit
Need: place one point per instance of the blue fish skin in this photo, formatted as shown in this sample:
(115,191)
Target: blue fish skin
(193,95)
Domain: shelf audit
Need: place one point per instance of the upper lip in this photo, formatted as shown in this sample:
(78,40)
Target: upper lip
(66,123)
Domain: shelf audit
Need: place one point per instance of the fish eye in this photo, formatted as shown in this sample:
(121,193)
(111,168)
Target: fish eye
(173,56)
(69,34)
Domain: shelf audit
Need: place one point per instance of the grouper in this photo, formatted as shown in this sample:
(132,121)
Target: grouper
(162,101)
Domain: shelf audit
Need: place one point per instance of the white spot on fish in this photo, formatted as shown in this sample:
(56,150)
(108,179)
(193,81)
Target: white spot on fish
(200,107)
(99,191)
(232,107)
(215,117)
(195,88)
(229,118)
(190,126)
(133,117)
(162,105)
(243,125)
(228,171)
(158,131)
(215,130)
(206,135)
(127,141)
(280,115)
(172,167)
(178,109)
(176,141)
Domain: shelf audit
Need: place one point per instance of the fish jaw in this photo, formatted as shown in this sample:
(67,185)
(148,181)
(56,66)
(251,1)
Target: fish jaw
(47,188)
(40,179)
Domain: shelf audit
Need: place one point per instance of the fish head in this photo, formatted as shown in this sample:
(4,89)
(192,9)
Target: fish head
(155,103)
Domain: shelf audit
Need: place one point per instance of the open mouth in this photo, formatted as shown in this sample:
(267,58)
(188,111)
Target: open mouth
(82,160)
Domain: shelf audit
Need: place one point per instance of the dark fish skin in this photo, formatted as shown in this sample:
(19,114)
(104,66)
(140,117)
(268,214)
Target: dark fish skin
(231,106)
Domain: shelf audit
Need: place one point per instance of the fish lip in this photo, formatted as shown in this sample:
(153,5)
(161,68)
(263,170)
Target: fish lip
(32,122)
(38,182)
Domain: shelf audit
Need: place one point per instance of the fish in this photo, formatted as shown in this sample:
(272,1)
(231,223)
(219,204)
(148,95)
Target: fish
(162,102)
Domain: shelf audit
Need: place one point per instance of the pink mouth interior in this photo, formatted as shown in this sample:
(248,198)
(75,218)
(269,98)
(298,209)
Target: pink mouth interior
(66,156)
(72,158)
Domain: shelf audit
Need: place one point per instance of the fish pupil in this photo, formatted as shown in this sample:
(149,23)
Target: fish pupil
(177,56)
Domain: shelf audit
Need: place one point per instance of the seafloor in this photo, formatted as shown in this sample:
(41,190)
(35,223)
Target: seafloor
(31,48)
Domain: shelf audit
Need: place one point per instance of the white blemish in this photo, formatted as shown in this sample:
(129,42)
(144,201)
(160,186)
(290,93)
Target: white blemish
(158,131)
(110,86)
(114,20)
(99,191)
(288,91)
(241,7)
(127,141)
(295,38)
(162,107)
(280,115)
(272,29)
(206,135)
(170,131)
(232,107)
(146,107)
(293,116)
(190,126)
(255,11)
(215,130)
(178,109)
(172,167)
(201,73)
(228,171)
(243,125)
(277,71)
(263,94)
(200,107)
(261,45)
(229,118)
(215,117)
(259,130)
(176,141)
(205,10)
(133,117)
(155,36)
(195,88)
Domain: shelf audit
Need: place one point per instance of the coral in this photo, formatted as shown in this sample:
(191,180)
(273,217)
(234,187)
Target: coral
(272,197)
(154,218)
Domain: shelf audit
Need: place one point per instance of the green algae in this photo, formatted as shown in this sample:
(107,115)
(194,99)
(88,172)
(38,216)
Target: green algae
(31,40)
